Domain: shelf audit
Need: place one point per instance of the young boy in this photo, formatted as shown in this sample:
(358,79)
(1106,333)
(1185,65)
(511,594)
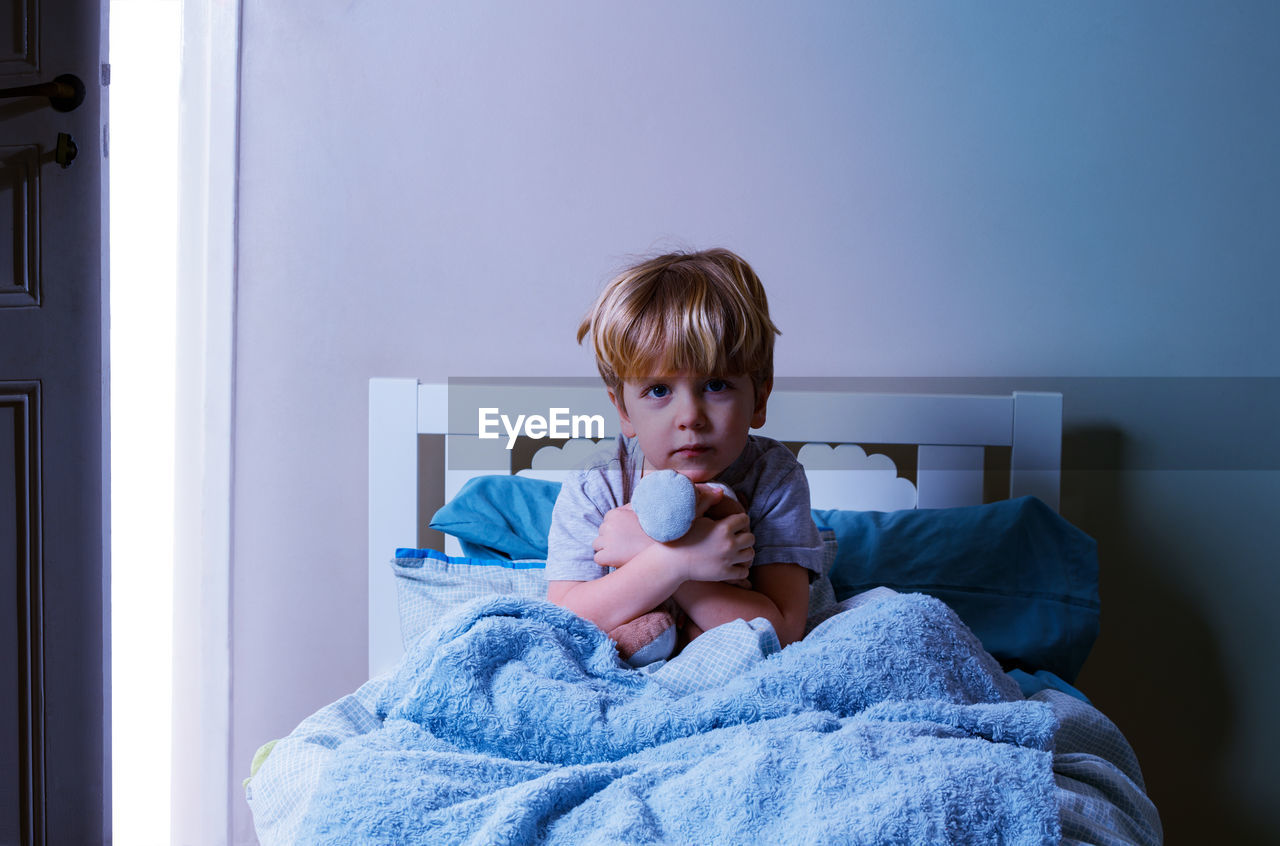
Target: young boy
(684,343)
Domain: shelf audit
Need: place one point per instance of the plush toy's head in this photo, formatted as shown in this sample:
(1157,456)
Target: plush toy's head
(665,502)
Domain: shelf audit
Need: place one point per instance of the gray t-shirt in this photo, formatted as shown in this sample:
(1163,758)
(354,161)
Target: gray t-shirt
(766,478)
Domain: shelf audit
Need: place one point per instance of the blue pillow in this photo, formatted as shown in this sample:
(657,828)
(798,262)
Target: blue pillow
(500,517)
(1023,578)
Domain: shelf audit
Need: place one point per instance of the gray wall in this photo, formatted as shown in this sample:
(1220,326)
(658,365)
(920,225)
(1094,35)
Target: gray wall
(1015,190)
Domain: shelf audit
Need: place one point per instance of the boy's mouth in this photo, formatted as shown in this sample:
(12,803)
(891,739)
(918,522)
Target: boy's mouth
(692,450)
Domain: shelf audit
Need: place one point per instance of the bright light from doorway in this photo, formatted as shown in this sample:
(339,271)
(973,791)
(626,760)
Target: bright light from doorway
(145,48)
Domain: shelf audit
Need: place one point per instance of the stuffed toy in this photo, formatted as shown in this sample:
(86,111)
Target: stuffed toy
(665,503)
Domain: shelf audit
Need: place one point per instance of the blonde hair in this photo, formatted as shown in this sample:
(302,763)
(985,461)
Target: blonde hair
(703,312)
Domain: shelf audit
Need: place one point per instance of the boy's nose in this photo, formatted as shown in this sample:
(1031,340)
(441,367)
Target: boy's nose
(690,415)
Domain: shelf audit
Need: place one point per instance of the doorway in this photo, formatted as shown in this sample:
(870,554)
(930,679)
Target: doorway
(145,49)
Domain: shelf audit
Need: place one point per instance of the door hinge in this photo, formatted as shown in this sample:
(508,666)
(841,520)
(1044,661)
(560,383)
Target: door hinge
(106,74)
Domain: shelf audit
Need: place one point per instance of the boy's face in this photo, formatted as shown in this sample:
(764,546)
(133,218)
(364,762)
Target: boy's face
(696,425)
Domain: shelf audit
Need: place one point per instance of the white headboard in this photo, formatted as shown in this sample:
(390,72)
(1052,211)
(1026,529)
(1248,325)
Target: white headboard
(951,434)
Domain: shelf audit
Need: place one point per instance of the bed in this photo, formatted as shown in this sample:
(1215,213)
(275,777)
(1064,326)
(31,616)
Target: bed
(931,699)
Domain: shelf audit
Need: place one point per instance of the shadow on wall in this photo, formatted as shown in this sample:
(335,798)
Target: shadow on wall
(1156,669)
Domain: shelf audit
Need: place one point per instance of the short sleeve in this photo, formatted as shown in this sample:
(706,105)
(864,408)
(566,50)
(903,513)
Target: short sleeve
(575,522)
(783,524)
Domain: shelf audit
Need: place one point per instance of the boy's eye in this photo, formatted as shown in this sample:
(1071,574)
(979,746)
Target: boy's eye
(717,385)
(656,391)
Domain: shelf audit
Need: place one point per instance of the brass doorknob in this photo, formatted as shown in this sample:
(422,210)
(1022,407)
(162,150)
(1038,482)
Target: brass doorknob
(64,93)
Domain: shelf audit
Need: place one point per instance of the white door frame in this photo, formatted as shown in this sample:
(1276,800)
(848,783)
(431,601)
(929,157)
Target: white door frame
(204,780)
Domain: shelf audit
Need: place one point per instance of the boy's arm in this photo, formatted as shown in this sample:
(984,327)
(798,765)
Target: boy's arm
(614,599)
(713,550)
(623,594)
(780,594)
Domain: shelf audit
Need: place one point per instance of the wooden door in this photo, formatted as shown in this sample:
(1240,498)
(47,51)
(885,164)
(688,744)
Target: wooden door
(54,571)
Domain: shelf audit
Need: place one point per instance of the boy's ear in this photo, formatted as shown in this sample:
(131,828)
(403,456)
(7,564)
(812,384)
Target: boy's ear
(762,402)
(627,429)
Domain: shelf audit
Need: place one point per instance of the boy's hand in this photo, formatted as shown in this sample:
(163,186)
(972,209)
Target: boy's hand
(620,538)
(712,502)
(715,505)
(716,550)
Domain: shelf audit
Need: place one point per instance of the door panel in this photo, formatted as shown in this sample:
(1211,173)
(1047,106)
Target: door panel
(54,638)
(20,216)
(21,711)
(19,35)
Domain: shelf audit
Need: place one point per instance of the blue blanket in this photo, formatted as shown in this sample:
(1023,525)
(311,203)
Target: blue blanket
(514,722)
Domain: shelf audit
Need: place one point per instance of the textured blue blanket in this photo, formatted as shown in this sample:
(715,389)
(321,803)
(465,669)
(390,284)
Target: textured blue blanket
(513,722)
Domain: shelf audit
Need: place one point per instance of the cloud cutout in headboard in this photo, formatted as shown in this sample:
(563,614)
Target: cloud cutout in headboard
(843,475)
(554,463)
(847,476)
